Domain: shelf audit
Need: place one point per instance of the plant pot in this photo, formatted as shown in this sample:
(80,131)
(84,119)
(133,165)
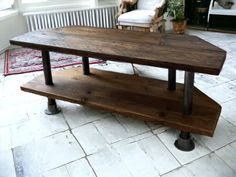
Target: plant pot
(179,26)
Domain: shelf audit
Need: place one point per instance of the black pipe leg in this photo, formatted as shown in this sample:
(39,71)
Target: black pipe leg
(171,79)
(52,105)
(185,141)
(85,61)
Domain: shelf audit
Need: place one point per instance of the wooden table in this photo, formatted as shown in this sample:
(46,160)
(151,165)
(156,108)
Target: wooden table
(180,106)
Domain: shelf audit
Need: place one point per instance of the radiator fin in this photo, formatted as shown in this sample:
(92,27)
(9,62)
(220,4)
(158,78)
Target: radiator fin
(98,17)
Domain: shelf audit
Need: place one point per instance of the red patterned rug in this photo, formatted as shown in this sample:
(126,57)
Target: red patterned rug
(24,60)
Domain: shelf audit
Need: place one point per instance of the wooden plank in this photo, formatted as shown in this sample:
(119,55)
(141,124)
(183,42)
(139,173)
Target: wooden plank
(143,98)
(181,52)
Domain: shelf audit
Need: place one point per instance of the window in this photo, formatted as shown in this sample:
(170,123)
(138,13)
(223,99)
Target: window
(6,4)
(54,5)
(42,5)
(32,1)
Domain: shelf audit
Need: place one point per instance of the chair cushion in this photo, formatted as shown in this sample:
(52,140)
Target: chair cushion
(147,4)
(136,17)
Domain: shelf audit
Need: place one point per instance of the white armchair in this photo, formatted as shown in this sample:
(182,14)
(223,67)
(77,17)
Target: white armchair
(149,15)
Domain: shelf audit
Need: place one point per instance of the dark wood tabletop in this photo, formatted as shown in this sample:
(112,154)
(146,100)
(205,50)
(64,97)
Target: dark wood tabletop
(181,52)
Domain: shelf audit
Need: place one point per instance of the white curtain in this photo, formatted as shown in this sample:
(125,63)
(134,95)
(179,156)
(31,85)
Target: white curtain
(5,4)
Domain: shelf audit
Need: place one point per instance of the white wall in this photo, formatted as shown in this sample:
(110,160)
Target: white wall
(11,27)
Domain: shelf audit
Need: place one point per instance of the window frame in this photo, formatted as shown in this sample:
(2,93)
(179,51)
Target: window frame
(54,4)
(6,5)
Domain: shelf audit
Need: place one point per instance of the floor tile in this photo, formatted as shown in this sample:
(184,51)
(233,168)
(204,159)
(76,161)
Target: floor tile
(151,72)
(80,168)
(210,166)
(229,71)
(229,111)
(132,126)
(228,155)
(107,163)
(160,130)
(77,115)
(9,117)
(38,107)
(66,104)
(12,83)
(157,73)
(40,156)
(153,125)
(90,138)
(159,154)
(169,137)
(157,128)
(224,134)
(16,101)
(131,140)
(58,172)
(5,138)
(115,67)
(180,172)
(6,164)
(135,159)
(222,93)
(206,81)
(111,129)
(36,128)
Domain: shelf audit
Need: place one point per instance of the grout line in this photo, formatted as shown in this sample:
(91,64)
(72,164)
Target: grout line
(122,124)
(223,158)
(226,163)
(70,130)
(228,100)
(91,166)
(99,132)
(14,161)
(67,171)
(131,137)
(167,148)
(228,121)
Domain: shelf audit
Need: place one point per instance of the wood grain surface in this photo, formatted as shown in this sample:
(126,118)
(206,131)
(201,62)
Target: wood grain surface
(182,52)
(146,99)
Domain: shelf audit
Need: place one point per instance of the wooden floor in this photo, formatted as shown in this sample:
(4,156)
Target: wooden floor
(131,95)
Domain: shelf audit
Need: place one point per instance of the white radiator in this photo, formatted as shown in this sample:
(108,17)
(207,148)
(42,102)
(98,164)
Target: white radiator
(97,17)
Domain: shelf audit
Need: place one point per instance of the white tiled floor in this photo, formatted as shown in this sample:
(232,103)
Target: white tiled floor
(83,142)
(208,166)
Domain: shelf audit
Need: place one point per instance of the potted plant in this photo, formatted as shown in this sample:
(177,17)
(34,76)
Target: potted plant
(175,9)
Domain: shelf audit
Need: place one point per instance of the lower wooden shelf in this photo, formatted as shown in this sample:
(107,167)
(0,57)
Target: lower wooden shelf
(130,95)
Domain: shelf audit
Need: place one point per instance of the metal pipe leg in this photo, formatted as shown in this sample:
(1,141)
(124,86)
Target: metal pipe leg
(171,79)
(185,142)
(85,61)
(188,92)
(47,68)
(52,106)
